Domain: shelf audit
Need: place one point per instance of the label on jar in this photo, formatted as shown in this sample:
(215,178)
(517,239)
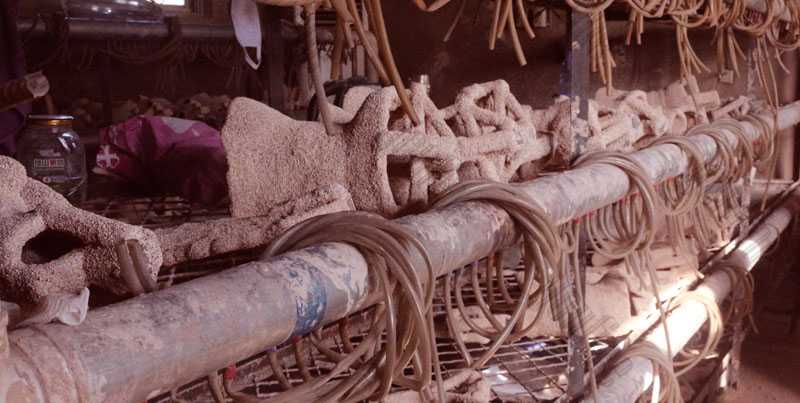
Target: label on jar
(60,172)
(40,164)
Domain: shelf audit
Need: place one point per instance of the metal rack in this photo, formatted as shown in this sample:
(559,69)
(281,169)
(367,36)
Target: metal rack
(532,368)
(153,212)
(529,370)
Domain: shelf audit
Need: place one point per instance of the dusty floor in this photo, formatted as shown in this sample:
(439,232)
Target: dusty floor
(770,370)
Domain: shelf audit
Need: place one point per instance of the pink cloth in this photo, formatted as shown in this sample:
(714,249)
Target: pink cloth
(167,156)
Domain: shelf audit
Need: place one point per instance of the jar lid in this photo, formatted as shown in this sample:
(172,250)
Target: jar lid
(51,120)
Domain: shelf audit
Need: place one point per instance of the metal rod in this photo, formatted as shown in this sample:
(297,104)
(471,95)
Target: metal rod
(102,30)
(88,29)
(150,344)
(632,377)
(98,29)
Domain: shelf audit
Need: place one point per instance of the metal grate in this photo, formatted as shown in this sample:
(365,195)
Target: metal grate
(527,370)
(153,213)
(170,211)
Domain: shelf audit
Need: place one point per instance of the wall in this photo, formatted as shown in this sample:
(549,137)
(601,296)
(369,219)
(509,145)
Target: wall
(466,58)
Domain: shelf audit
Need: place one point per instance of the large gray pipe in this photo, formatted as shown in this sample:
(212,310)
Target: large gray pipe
(151,344)
(630,378)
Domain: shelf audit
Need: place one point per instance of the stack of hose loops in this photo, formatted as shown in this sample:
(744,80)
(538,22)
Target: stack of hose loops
(729,166)
(744,152)
(744,158)
(758,25)
(728,16)
(347,14)
(401,333)
(742,302)
(723,19)
(764,148)
(685,18)
(676,9)
(784,36)
(641,9)
(719,170)
(626,228)
(541,259)
(690,358)
(602,60)
(665,387)
(505,16)
(683,194)
(765,72)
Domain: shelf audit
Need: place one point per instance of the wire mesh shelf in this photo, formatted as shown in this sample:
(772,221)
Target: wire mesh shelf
(165,212)
(156,212)
(529,370)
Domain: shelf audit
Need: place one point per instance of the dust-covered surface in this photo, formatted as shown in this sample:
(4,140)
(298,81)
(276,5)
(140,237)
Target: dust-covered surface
(194,241)
(392,167)
(29,209)
(387,164)
(274,159)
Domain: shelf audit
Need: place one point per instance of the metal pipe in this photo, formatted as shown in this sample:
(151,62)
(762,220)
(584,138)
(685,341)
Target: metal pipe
(575,193)
(98,29)
(90,29)
(129,30)
(631,377)
(150,344)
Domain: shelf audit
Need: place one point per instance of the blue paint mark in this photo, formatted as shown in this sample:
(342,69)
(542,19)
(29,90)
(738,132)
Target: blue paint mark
(310,310)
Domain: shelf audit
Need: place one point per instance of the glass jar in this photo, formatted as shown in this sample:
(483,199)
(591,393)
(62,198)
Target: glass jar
(53,153)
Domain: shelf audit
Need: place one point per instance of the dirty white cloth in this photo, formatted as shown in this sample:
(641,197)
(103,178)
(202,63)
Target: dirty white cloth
(247,27)
(69,309)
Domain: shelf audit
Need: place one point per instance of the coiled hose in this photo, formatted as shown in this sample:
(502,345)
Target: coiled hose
(544,264)
(742,301)
(665,374)
(682,195)
(626,229)
(401,334)
(729,165)
(542,254)
(690,359)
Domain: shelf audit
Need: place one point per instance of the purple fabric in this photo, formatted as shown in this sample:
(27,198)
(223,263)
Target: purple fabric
(166,156)
(12,66)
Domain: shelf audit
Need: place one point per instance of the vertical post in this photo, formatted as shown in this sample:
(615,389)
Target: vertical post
(787,164)
(273,72)
(576,78)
